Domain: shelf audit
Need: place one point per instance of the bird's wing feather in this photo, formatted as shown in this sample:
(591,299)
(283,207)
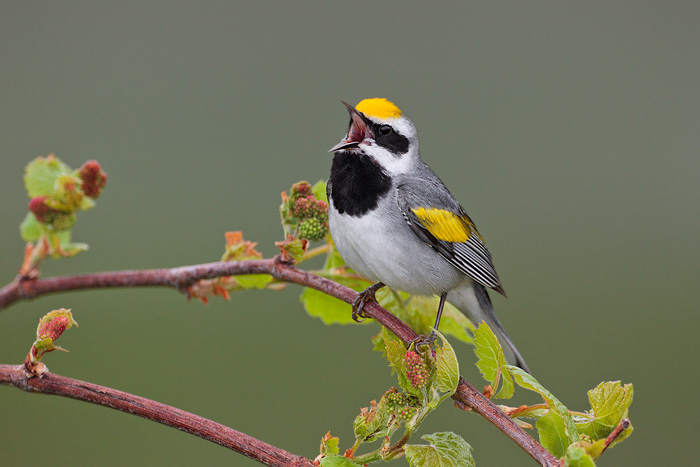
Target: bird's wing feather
(452,233)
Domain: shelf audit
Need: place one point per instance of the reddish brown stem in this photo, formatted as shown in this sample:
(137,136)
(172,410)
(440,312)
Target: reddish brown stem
(622,426)
(467,395)
(181,278)
(50,383)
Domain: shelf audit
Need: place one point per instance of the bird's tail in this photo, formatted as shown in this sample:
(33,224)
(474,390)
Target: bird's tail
(473,300)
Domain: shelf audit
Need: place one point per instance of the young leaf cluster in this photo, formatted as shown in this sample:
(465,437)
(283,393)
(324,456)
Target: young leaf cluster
(577,437)
(57,193)
(426,377)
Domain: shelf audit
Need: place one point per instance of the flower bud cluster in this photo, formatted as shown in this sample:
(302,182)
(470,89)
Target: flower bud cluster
(402,406)
(307,215)
(93,179)
(416,369)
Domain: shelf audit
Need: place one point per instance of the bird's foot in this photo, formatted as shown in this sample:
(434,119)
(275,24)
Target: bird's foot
(359,303)
(422,340)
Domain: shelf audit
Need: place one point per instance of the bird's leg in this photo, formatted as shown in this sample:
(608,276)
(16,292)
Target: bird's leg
(430,339)
(359,303)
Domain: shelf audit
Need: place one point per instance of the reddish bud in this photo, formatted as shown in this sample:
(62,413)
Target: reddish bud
(93,177)
(41,211)
(301,190)
(54,324)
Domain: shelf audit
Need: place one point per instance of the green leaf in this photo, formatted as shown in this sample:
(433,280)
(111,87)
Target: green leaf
(329,444)
(294,248)
(389,300)
(420,313)
(446,449)
(333,259)
(254,281)
(492,361)
(527,381)
(87,203)
(41,174)
(329,309)
(319,190)
(30,229)
(396,354)
(337,461)
(371,423)
(447,367)
(610,402)
(552,431)
(576,456)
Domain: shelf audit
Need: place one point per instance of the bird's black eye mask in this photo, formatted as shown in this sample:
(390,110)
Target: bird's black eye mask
(387,137)
(384,135)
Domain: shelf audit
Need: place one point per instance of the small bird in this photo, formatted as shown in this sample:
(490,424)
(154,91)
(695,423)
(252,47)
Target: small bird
(395,222)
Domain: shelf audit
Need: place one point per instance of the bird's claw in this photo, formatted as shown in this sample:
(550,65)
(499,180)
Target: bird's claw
(359,303)
(422,340)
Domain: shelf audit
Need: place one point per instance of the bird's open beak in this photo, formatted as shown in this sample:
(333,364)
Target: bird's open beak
(357,133)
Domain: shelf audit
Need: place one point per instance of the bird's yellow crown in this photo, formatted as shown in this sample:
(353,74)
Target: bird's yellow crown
(378,107)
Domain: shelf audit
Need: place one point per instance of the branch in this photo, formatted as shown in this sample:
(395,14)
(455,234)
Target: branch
(622,426)
(468,397)
(16,375)
(183,277)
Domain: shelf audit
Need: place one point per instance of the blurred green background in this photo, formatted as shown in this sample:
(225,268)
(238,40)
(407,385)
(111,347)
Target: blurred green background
(569,131)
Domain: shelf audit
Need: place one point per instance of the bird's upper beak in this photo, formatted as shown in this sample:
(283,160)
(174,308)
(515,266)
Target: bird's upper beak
(358,132)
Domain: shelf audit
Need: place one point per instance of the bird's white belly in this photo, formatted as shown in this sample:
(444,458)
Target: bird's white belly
(392,255)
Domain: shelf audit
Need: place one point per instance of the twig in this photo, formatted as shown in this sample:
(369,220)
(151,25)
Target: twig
(467,395)
(181,278)
(622,426)
(50,383)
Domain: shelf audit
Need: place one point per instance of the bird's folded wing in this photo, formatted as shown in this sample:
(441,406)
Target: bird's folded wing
(454,236)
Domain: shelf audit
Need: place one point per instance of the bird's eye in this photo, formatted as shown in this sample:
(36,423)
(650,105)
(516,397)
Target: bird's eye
(385,130)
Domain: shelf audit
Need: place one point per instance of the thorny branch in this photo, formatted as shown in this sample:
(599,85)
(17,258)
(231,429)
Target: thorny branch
(183,277)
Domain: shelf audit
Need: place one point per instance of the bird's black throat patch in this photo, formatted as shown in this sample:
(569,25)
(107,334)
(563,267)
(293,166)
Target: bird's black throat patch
(357,183)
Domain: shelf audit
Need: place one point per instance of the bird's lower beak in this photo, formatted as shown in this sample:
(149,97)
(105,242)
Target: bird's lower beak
(357,133)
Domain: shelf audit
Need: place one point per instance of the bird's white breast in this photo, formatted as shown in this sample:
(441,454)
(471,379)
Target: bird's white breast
(380,246)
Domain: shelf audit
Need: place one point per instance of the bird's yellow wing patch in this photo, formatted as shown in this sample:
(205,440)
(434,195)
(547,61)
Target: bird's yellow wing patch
(446,225)
(378,107)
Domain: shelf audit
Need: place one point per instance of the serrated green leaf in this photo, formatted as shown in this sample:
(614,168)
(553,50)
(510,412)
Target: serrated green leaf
(527,381)
(446,449)
(576,456)
(446,367)
(337,461)
(329,309)
(610,402)
(41,174)
(329,445)
(395,350)
(30,229)
(370,425)
(552,432)
(294,248)
(395,354)
(492,361)
(489,353)
(319,190)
